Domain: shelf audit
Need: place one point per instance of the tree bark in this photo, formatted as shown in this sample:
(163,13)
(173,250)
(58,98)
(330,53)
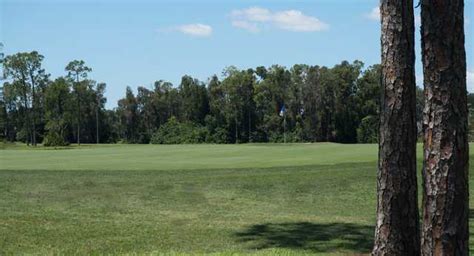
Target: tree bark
(397,229)
(445,123)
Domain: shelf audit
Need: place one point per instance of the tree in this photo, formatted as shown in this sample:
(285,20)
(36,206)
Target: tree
(194,100)
(3,106)
(29,78)
(128,109)
(397,228)
(216,120)
(270,95)
(238,102)
(311,103)
(346,119)
(327,109)
(445,124)
(99,106)
(78,71)
(57,101)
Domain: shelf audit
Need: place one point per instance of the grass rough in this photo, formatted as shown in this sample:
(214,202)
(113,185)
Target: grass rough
(261,199)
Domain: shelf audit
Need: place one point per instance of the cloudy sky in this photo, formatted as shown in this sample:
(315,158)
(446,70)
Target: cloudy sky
(137,42)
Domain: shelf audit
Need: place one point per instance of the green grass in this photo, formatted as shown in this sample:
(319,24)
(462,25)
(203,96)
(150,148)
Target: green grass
(182,157)
(266,199)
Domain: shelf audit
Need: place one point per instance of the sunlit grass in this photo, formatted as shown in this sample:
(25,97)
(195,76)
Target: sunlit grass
(263,199)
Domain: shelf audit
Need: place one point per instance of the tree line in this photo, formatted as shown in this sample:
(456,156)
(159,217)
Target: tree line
(320,104)
(266,104)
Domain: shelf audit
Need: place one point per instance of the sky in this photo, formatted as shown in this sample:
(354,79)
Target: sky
(134,43)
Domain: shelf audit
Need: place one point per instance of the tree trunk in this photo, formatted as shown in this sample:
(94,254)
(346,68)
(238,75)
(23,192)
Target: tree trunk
(446,149)
(78,122)
(97,122)
(397,229)
(250,127)
(33,118)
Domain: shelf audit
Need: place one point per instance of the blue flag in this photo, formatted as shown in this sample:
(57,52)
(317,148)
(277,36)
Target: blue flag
(283,110)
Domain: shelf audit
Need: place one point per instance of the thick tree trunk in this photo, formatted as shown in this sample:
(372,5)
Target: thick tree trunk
(397,229)
(446,150)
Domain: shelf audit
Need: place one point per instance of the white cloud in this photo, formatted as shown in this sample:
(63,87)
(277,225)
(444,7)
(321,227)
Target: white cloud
(470,80)
(253,18)
(297,21)
(252,27)
(374,14)
(197,29)
(255,14)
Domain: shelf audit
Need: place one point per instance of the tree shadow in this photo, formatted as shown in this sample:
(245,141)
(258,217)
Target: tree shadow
(309,236)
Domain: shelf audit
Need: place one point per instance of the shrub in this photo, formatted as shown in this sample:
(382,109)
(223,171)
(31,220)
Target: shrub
(368,130)
(174,132)
(54,139)
(55,135)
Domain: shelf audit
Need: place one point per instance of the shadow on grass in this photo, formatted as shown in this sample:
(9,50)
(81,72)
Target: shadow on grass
(309,236)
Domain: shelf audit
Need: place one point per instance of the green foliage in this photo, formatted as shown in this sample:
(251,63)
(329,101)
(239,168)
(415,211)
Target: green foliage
(28,81)
(322,103)
(54,139)
(174,132)
(368,130)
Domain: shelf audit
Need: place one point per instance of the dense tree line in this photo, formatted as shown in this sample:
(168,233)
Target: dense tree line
(338,104)
(35,108)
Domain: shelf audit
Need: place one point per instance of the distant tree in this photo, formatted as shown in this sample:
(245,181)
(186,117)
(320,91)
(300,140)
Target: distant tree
(28,80)
(238,87)
(99,105)
(368,104)
(3,105)
(57,101)
(77,71)
(129,116)
(194,100)
(446,150)
(346,116)
(311,107)
(270,96)
(216,120)
(397,229)
(327,105)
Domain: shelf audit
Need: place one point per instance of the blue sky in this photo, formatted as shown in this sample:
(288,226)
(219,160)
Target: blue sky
(137,42)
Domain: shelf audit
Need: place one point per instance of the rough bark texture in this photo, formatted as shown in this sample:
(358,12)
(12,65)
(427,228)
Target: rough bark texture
(397,229)
(445,172)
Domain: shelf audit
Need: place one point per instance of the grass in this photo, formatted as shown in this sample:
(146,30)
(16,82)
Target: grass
(182,157)
(263,199)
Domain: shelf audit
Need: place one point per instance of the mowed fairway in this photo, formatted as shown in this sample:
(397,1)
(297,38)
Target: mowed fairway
(265,199)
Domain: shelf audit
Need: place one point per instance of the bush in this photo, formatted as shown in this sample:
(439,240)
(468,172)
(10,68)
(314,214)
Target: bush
(368,130)
(53,139)
(174,132)
(219,136)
